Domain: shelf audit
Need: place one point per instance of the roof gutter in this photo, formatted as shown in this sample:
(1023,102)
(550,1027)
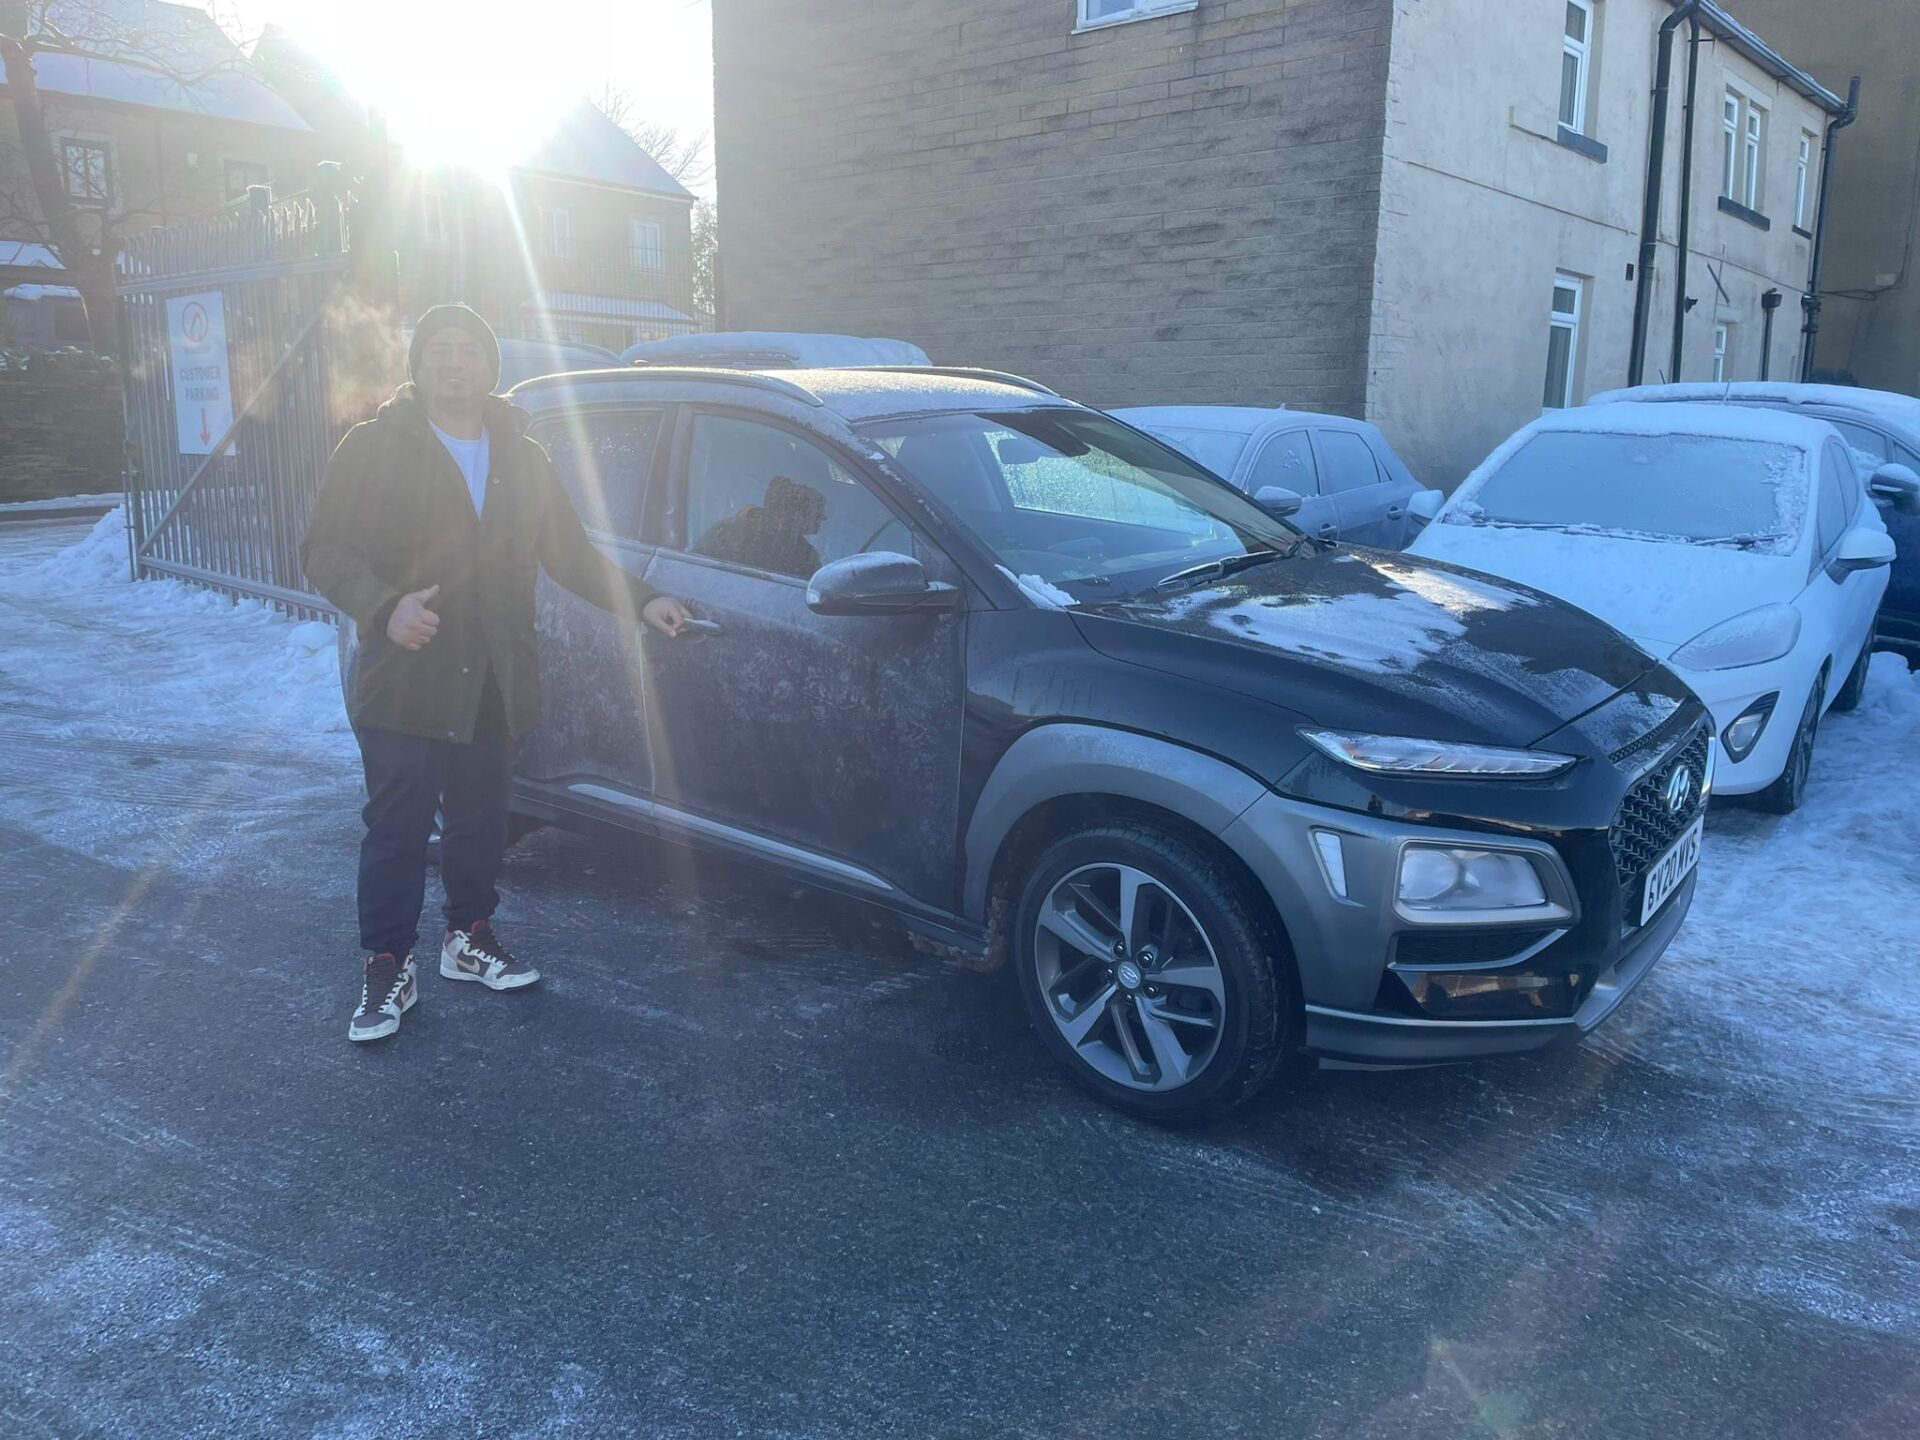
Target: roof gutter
(1740,38)
(1764,55)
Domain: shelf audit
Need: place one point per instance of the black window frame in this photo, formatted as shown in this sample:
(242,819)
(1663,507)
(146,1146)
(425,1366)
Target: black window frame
(104,201)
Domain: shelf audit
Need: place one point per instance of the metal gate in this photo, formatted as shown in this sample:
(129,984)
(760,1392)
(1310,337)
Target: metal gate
(227,509)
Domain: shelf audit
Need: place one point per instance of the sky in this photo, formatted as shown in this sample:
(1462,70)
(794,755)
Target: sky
(468,89)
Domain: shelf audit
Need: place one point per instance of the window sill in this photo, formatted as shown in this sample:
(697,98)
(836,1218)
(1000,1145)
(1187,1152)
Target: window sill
(1581,144)
(1157,12)
(1741,212)
(1803,232)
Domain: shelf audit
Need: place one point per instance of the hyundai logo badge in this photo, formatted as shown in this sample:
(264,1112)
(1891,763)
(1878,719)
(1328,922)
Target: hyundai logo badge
(1679,789)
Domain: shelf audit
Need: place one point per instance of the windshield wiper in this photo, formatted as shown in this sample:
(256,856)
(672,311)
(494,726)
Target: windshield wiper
(1218,569)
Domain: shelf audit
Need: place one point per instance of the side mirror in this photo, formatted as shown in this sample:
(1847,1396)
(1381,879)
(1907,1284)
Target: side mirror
(1424,506)
(1278,501)
(878,584)
(1897,485)
(1861,549)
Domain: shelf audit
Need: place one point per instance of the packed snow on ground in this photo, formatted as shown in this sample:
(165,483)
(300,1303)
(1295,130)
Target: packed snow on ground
(165,650)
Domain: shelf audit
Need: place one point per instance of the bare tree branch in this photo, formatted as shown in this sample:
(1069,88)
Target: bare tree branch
(683,156)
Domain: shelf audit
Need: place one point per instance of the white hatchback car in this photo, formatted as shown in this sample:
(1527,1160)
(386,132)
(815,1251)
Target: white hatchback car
(1739,547)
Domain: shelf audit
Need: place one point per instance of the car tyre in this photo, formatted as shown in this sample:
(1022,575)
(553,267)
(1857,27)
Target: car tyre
(1203,950)
(1784,795)
(1855,688)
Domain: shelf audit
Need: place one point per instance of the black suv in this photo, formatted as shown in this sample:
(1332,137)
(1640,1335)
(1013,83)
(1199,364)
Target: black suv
(1224,795)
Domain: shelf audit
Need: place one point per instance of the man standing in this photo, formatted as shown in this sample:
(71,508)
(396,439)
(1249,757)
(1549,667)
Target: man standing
(430,528)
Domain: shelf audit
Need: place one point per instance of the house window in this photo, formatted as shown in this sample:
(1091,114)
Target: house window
(1563,342)
(89,169)
(556,232)
(1722,336)
(647,249)
(1751,169)
(1106,12)
(1729,145)
(238,176)
(433,219)
(1801,165)
(1575,50)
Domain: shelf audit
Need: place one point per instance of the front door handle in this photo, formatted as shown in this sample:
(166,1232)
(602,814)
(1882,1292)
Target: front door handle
(1396,511)
(693,628)
(1327,527)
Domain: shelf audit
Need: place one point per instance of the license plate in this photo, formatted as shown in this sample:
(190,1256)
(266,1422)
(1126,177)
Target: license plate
(1666,873)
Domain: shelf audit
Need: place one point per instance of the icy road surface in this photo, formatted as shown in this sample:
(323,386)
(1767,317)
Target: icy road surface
(746,1165)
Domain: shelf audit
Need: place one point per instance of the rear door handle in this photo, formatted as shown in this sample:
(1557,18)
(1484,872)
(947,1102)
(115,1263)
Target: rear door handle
(1396,511)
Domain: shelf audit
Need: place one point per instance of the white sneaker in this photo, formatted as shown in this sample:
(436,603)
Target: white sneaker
(387,992)
(477,954)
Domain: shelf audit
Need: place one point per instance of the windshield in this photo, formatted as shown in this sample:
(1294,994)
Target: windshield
(1218,450)
(1074,505)
(1702,489)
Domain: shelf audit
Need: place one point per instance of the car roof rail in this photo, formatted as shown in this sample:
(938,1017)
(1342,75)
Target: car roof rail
(750,379)
(966,372)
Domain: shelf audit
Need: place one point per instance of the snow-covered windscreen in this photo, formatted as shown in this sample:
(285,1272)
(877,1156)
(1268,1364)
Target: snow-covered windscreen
(1702,489)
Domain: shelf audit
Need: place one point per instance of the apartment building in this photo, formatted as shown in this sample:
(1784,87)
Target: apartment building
(1425,212)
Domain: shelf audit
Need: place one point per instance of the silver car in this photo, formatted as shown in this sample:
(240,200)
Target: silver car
(1335,478)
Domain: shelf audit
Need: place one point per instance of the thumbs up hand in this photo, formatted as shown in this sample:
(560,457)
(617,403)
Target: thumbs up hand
(412,623)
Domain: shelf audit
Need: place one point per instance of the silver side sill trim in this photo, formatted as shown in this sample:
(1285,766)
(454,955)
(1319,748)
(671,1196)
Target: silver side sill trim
(667,815)
(1355,1015)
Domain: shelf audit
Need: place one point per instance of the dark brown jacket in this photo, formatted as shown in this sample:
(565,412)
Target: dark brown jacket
(395,516)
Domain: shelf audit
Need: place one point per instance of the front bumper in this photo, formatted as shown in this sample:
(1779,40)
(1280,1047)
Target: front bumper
(1728,693)
(1375,1039)
(1381,988)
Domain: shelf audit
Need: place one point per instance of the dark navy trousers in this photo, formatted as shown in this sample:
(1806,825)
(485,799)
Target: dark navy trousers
(410,780)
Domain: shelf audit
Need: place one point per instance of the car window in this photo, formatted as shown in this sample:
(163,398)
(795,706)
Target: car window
(1093,485)
(604,459)
(1286,461)
(1869,445)
(1708,488)
(1345,461)
(1834,509)
(761,497)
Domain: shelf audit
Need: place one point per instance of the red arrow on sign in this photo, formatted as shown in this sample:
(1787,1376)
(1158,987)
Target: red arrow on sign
(205,434)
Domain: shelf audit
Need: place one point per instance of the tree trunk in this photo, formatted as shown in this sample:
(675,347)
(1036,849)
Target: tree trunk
(89,271)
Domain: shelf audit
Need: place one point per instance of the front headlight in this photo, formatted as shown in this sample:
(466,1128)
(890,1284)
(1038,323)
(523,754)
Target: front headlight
(1752,638)
(1399,755)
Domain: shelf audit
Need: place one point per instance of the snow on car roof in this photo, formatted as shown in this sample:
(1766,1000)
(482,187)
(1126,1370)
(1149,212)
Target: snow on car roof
(1803,432)
(853,394)
(1887,405)
(1237,419)
(805,348)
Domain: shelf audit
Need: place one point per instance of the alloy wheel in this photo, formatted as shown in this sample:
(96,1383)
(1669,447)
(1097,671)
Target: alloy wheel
(1129,977)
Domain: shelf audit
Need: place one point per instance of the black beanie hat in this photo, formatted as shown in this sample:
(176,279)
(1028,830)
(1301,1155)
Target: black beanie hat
(457,317)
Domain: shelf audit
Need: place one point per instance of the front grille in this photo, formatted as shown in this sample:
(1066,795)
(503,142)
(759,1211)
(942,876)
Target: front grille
(1645,827)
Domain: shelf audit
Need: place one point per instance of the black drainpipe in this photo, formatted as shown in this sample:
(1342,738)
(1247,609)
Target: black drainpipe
(1810,302)
(1686,204)
(1769,302)
(1650,204)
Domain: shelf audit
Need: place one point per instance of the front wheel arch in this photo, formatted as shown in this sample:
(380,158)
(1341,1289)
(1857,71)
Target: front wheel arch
(1049,820)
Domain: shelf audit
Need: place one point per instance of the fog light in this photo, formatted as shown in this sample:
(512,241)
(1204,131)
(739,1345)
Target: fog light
(1744,733)
(1451,877)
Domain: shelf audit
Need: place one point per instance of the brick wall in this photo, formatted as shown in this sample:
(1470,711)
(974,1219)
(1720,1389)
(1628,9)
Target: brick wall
(1181,208)
(60,434)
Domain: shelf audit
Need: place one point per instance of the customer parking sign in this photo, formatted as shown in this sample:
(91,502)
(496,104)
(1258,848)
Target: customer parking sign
(202,392)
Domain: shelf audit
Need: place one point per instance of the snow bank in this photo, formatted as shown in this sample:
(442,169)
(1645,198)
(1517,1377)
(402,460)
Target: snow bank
(161,650)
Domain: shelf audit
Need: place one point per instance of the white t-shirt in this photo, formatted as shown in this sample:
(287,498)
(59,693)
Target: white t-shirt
(472,458)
